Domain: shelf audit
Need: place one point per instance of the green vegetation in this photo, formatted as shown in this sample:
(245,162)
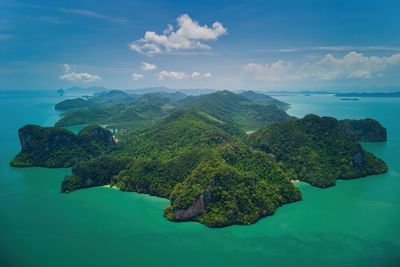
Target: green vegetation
(133,112)
(55,147)
(93,172)
(190,156)
(71,104)
(120,109)
(316,150)
(194,151)
(264,99)
(235,109)
(366,130)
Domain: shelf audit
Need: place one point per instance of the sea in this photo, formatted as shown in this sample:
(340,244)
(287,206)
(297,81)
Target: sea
(355,223)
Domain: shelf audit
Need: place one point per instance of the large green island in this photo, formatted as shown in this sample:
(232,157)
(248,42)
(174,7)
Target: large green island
(221,158)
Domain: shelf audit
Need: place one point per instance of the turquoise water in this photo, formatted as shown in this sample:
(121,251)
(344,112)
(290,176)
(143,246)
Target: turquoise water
(355,223)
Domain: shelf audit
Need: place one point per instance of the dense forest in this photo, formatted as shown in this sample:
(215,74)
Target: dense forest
(317,150)
(120,109)
(194,150)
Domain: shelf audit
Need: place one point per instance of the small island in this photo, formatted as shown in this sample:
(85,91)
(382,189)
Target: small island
(349,99)
(371,94)
(60,92)
(220,158)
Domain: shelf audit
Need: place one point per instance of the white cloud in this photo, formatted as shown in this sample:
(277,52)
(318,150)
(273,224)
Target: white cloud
(73,76)
(277,71)
(350,66)
(196,74)
(80,77)
(148,66)
(189,35)
(179,75)
(137,76)
(176,75)
(67,68)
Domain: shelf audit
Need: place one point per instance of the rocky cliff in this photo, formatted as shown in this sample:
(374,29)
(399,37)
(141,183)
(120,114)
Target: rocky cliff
(366,130)
(57,147)
(196,209)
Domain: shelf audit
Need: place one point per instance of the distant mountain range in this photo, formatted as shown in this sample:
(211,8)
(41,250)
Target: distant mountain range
(377,92)
(141,91)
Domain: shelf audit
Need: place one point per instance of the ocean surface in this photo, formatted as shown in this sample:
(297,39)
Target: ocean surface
(355,223)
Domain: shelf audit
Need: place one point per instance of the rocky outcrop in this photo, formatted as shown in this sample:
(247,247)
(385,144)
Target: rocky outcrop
(196,209)
(33,137)
(358,159)
(57,147)
(94,172)
(25,138)
(97,133)
(366,130)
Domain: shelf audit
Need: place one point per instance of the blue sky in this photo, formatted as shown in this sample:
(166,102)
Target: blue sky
(264,45)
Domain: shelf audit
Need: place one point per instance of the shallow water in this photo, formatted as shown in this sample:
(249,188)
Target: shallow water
(355,223)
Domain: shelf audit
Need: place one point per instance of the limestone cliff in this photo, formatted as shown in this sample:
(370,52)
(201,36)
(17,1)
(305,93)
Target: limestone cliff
(196,209)
(366,130)
(57,147)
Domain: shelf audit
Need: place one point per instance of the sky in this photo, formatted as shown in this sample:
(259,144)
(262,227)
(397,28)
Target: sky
(234,45)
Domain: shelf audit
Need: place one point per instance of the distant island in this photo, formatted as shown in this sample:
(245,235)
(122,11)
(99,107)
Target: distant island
(220,158)
(60,92)
(349,99)
(375,94)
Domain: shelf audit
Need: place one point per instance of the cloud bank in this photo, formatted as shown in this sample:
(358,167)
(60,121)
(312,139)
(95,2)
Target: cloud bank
(351,66)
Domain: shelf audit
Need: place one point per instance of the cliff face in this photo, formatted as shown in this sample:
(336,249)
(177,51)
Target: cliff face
(196,209)
(366,130)
(34,137)
(57,147)
(25,139)
(359,159)
(96,133)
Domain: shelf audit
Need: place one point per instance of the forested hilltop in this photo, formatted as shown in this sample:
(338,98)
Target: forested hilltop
(194,150)
(134,111)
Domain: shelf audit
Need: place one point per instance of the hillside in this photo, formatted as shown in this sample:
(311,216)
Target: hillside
(126,111)
(316,150)
(366,130)
(121,109)
(264,99)
(59,148)
(236,110)
(71,104)
(191,158)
